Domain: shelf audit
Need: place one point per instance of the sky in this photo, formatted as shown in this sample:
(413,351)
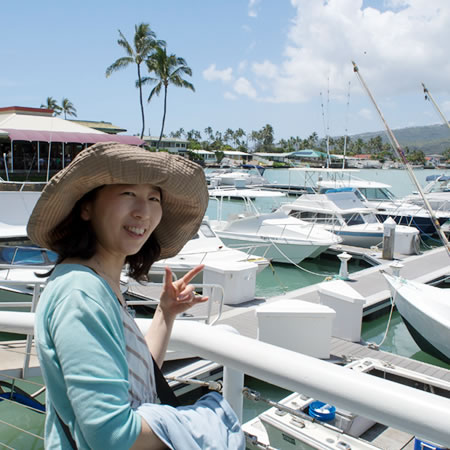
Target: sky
(254,62)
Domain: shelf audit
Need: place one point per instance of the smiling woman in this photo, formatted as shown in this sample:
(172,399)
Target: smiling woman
(116,205)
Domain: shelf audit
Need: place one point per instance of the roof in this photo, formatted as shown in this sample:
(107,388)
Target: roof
(273,155)
(235,153)
(309,153)
(26,110)
(100,126)
(164,139)
(44,128)
(202,152)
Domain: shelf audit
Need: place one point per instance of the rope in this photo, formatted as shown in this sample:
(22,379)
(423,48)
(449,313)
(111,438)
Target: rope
(22,380)
(6,446)
(299,267)
(374,345)
(20,429)
(283,287)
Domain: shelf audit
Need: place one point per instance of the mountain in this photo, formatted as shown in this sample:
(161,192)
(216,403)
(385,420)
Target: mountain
(431,139)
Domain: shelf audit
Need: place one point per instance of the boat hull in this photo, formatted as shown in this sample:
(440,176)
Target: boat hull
(425,311)
(276,251)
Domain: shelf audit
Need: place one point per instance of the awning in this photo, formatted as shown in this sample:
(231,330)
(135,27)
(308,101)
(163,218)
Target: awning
(64,136)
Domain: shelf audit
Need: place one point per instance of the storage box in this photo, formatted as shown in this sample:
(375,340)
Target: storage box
(238,280)
(348,305)
(297,325)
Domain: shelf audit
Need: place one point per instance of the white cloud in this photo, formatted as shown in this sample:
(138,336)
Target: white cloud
(365,113)
(244,87)
(242,66)
(396,47)
(265,69)
(229,96)
(212,74)
(252,8)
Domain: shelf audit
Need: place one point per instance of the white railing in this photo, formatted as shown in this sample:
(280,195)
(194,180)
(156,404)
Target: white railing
(417,412)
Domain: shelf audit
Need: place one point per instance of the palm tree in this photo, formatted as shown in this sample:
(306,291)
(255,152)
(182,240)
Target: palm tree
(51,104)
(144,44)
(67,108)
(168,69)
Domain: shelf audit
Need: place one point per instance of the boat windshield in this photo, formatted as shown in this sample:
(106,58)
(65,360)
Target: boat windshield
(353,219)
(206,230)
(370,217)
(316,217)
(27,255)
(380,194)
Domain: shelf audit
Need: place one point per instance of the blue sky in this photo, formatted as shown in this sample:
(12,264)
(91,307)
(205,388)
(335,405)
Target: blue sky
(254,62)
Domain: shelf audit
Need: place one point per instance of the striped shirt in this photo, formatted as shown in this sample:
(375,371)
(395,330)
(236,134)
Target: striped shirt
(141,376)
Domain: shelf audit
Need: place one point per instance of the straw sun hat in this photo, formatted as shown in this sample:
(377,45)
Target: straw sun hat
(182,183)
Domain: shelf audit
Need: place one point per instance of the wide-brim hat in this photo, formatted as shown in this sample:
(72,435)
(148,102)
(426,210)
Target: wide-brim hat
(182,183)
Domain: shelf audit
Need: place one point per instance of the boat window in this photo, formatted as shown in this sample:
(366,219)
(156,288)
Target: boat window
(206,230)
(370,217)
(21,256)
(311,216)
(377,193)
(353,219)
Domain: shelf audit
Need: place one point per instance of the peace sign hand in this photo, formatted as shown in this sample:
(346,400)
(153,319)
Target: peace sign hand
(178,296)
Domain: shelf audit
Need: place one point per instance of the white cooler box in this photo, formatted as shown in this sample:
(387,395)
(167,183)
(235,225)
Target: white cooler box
(296,325)
(238,280)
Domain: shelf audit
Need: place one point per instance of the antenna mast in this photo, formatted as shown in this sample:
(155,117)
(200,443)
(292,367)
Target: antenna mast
(429,97)
(402,156)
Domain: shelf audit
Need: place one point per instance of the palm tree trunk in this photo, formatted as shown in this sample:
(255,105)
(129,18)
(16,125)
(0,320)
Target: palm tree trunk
(164,116)
(140,98)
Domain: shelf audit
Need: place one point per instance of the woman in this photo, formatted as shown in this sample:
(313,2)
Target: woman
(113,206)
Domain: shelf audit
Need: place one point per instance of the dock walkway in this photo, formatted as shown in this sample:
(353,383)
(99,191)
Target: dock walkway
(372,286)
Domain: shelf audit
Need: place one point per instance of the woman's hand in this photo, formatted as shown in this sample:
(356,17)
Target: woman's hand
(178,296)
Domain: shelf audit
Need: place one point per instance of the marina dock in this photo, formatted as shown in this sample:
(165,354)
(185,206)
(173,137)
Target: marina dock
(369,283)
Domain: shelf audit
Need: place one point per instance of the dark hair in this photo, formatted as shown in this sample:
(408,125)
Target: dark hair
(75,237)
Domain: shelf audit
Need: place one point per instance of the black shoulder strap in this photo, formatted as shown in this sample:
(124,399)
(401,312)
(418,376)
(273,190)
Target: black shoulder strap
(66,431)
(164,391)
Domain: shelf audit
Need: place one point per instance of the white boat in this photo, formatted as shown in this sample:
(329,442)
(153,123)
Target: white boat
(301,422)
(19,266)
(15,210)
(378,196)
(344,214)
(241,193)
(437,193)
(237,177)
(207,248)
(425,310)
(275,235)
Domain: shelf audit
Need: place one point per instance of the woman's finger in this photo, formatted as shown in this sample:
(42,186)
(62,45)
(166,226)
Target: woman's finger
(192,273)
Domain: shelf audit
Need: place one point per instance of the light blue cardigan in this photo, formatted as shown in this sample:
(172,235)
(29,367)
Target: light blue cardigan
(81,347)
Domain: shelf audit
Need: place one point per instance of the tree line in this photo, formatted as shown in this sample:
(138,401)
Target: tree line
(263,141)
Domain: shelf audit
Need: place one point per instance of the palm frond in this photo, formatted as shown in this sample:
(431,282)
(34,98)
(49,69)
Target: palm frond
(155,91)
(119,64)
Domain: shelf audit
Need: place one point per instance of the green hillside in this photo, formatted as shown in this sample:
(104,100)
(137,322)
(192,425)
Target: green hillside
(432,139)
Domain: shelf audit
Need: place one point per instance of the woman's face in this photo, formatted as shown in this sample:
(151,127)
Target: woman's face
(123,217)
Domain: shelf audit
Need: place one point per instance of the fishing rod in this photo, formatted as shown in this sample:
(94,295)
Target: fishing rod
(428,96)
(346,125)
(400,153)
